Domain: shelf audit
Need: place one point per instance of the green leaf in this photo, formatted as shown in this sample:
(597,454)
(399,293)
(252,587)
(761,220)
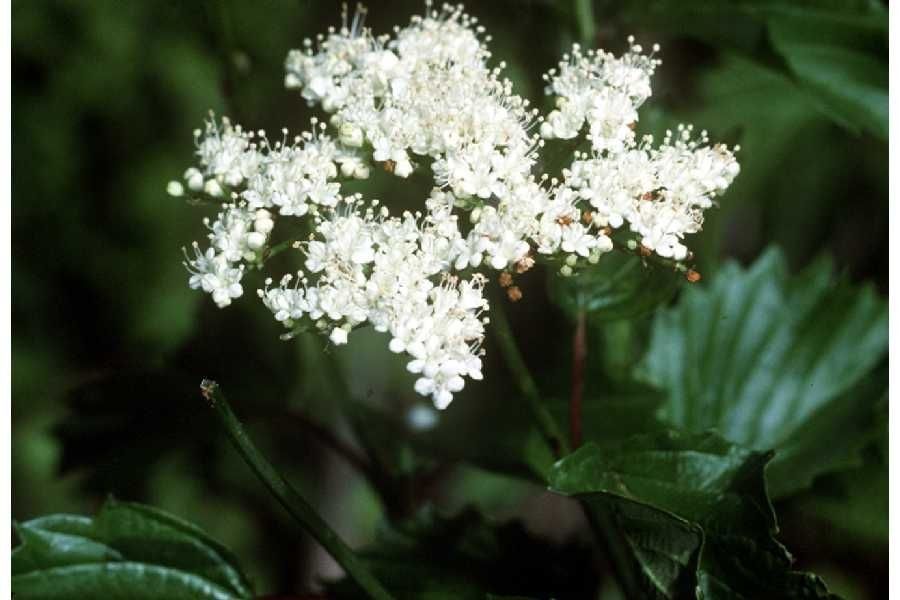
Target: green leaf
(836,52)
(620,286)
(127,551)
(849,85)
(698,516)
(772,361)
(656,552)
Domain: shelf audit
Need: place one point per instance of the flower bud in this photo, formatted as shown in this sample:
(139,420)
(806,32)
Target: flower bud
(213,188)
(403,168)
(338,336)
(256,240)
(194,179)
(351,135)
(175,189)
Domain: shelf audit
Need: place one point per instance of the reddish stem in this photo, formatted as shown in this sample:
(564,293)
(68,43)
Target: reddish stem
(579,353)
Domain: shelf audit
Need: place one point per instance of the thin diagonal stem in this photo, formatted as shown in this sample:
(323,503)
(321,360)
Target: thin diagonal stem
(289,498)
(514,361)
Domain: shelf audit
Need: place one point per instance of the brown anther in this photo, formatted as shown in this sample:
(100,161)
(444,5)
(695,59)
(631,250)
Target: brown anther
(505,279)
(564,220)
(649,196)
(587,216)
(607,231)
(389,166)
(692,276)
(632,125)
(514,294)
(644,250)
(524,264)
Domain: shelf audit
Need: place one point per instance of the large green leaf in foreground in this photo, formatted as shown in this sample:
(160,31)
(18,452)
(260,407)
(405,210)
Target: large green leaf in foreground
(127,551)
(775,362)
(687,516)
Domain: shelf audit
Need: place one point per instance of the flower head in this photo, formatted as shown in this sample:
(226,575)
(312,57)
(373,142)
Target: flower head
(427,95)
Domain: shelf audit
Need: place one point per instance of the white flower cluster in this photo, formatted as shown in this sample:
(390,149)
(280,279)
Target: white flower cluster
(371,267)
(601,89)
(236,235)
(426,97)
(660,192)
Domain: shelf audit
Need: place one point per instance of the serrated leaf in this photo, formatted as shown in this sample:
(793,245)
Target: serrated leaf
(769,361)
(687,483)
(620,286)
(43,548)
(127,551)
(840,55)
(837,52)
(850,86)
(658,553)
(126,580)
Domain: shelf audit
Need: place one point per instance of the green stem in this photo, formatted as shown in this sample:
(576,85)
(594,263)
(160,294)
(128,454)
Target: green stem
(587,28)
(218,13)
(277,249)
(514,361)
(579,354)
(289,498)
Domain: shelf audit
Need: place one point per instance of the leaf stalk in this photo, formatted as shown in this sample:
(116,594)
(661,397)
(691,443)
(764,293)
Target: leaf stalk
(289,498)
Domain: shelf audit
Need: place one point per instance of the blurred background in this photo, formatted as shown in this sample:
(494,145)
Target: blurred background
(109,344)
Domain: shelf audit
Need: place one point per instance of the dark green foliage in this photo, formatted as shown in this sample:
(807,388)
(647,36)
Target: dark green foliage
(466,556)
(620,286)
(836,52)
(783,355)
(775,362)
(691,512)
(126,551)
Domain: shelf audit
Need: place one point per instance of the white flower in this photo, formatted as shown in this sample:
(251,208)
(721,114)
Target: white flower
(338,336)
(427,96)
(507,250)
(213,274)
(175,189)
(226,152)
(575,238)
(602,89)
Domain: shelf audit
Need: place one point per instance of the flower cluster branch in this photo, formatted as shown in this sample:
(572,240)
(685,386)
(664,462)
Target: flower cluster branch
(427,97)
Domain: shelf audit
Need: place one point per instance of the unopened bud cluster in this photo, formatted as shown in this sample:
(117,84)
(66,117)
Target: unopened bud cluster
(427,95)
